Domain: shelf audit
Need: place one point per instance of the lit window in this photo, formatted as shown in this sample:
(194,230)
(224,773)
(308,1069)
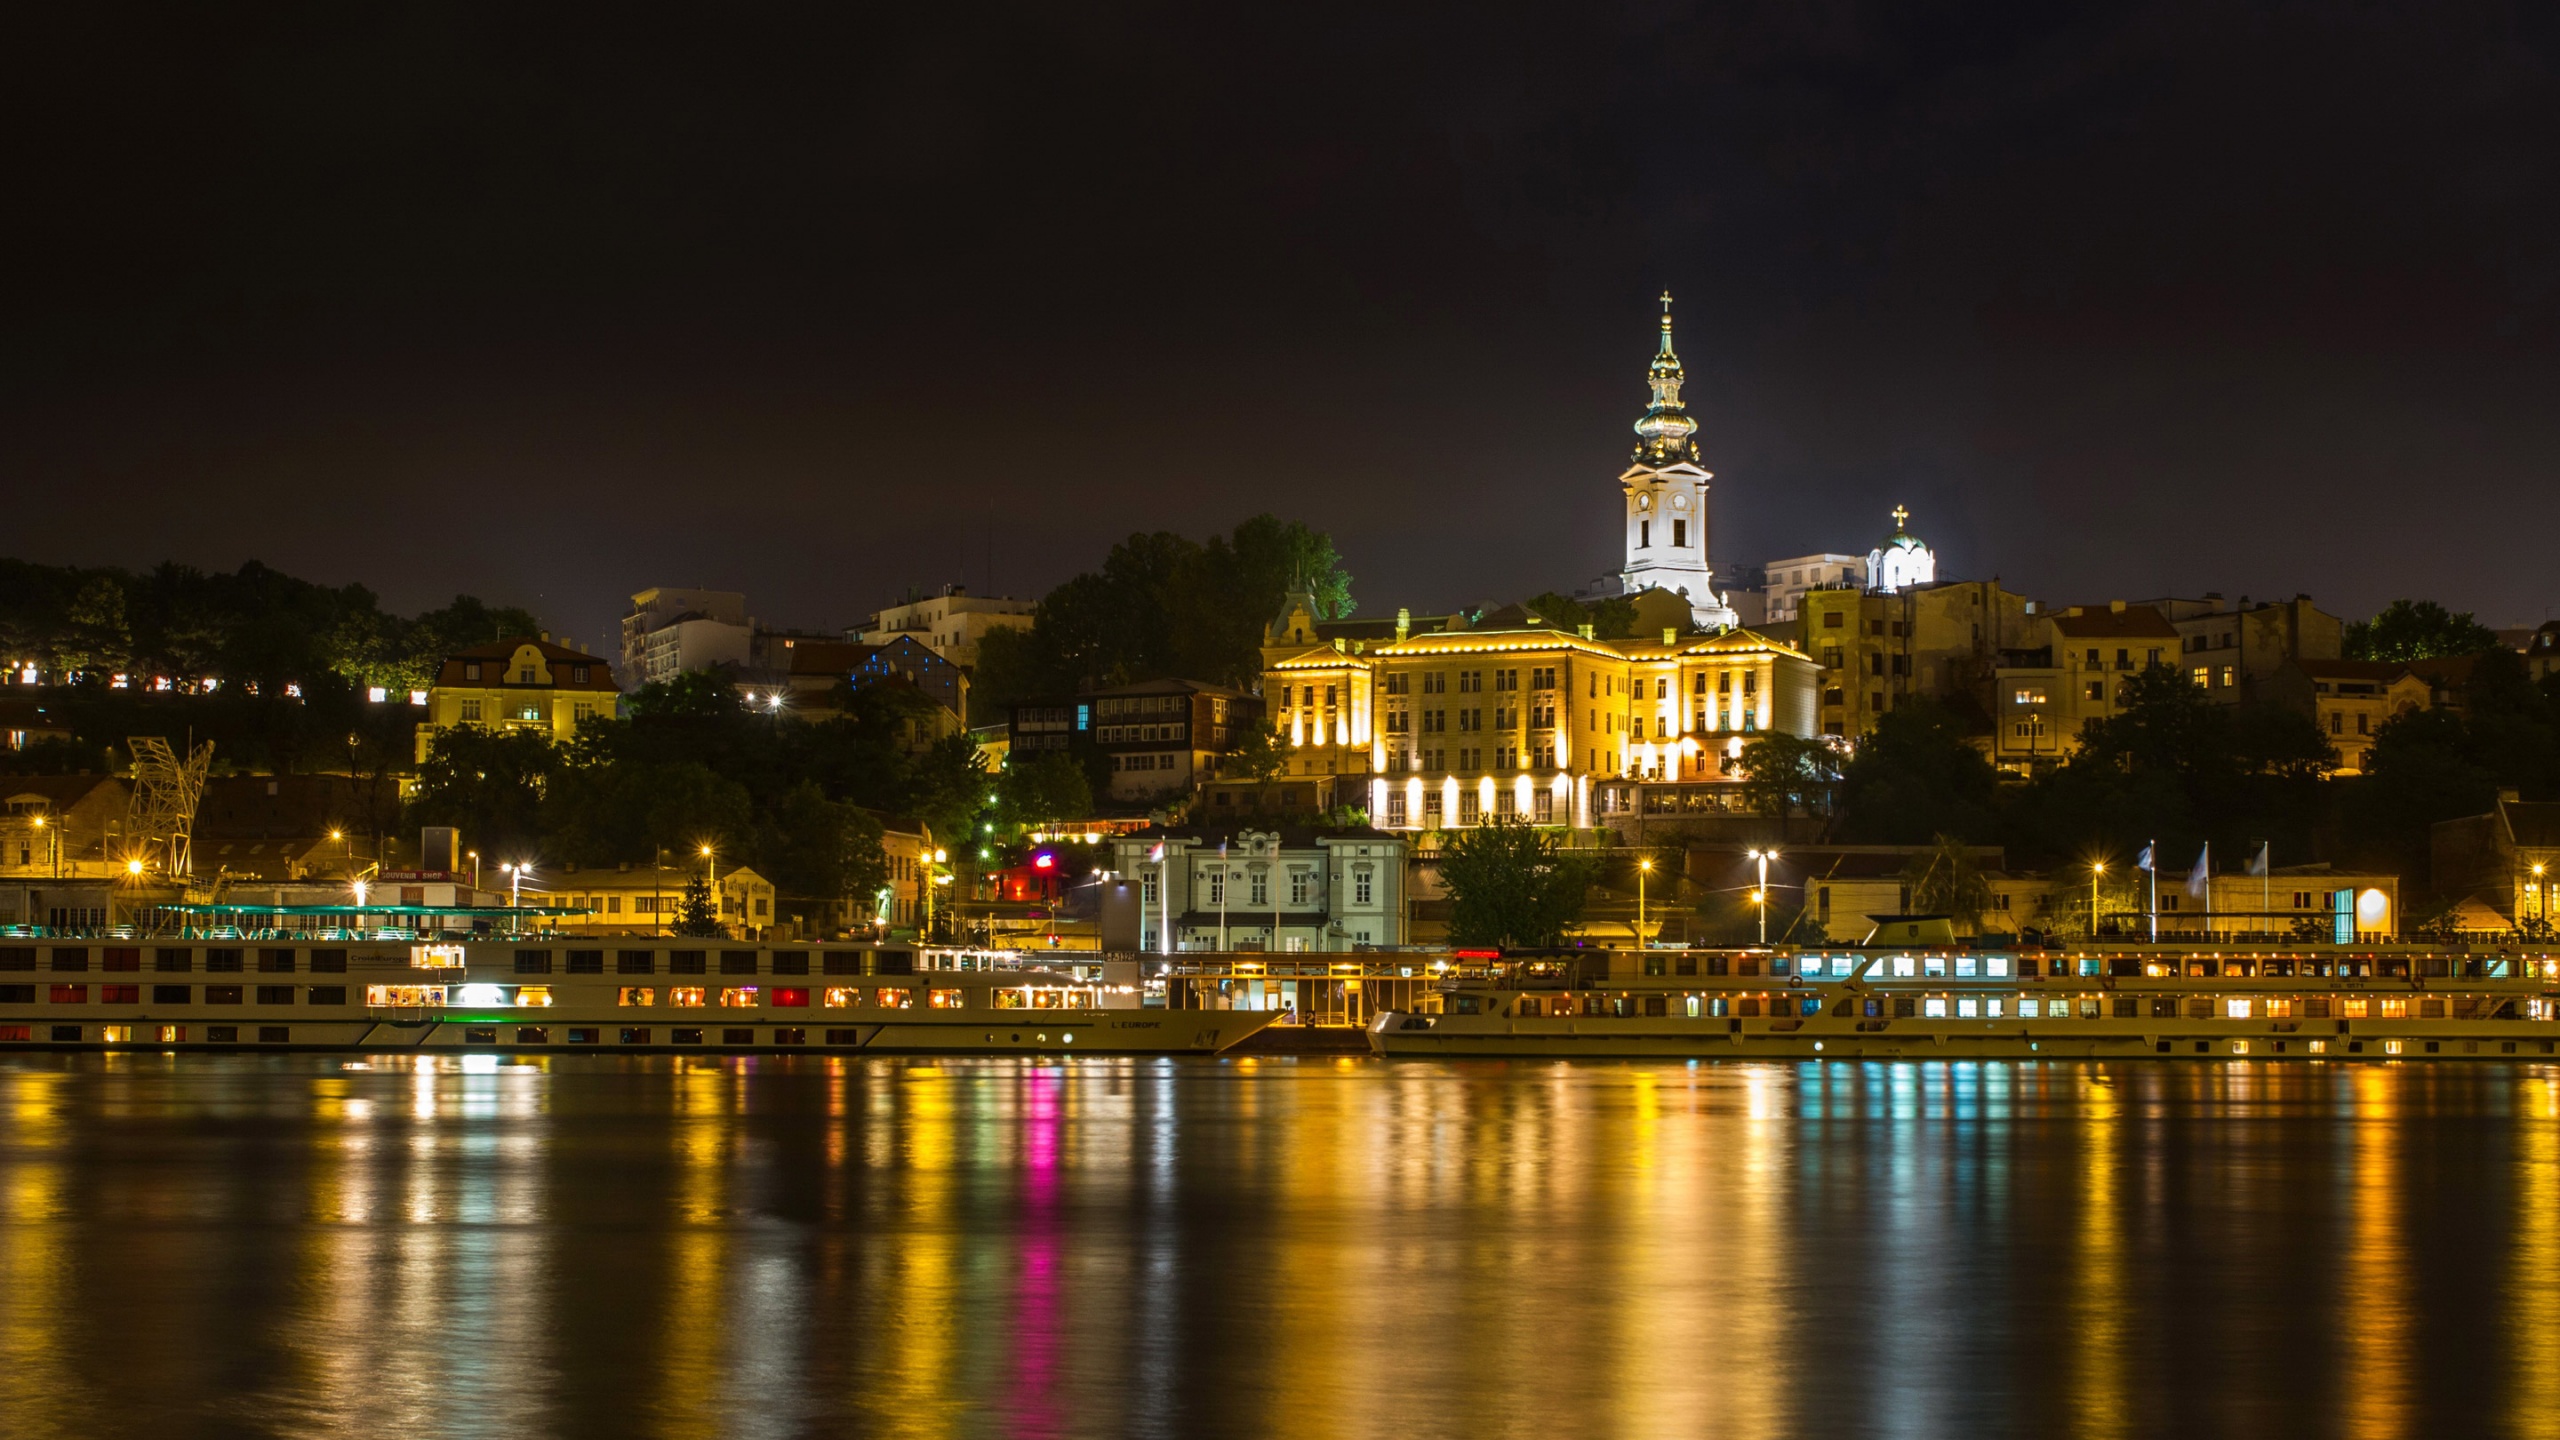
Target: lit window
(2028,1008)
(533,995)
(2357,1007)
(1968,1008)
(947,1000)
(1933,1009)
(688,997)
(2236,1008)
(791,997)
(893,998)
(1993,1006)
(636,995)
(2395,1009)
(839,997)
(1905,966)
(740,997)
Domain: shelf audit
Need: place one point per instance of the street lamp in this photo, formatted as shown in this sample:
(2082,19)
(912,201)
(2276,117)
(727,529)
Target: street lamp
(2096,869)
(1644,868)
(2541,897)
(1760,896)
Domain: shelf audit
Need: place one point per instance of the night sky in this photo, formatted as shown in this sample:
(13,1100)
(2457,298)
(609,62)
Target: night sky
(552,303)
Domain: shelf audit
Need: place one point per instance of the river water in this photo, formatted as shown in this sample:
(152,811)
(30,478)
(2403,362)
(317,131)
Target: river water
(246,1245)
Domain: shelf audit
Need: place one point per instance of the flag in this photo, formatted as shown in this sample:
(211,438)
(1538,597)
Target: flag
(2200,878)
(2258,862)
(1156,853)
(2143,862)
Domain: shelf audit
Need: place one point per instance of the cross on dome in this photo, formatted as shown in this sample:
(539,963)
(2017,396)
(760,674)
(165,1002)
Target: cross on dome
(1901,517)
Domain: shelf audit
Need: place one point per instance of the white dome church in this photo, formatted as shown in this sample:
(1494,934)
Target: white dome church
(1901,561)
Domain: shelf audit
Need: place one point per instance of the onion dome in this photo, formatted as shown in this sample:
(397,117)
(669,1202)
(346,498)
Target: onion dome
(1663,435)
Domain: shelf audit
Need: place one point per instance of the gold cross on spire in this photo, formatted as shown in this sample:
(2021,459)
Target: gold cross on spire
(1901,517)
(1666,303)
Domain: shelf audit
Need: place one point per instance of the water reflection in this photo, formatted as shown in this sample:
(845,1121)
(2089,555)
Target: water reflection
(1328,1248)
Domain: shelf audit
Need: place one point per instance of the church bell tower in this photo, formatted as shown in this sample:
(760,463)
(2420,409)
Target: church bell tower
(1666,496)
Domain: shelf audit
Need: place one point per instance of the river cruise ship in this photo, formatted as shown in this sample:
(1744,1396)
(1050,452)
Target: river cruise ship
(1947,1001)
(544,993)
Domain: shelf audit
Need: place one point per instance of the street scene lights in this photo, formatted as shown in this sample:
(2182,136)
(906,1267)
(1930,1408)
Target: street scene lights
(1760,895)
(1644,868)
(2097,868)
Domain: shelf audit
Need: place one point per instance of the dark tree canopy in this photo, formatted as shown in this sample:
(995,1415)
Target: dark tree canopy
(2418,630)
(1511,883)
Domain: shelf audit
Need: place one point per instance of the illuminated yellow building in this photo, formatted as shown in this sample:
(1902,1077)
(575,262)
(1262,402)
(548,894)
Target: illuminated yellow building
(1464,718)
(518,685)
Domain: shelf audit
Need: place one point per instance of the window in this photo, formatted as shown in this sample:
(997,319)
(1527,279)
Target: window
(636,995)
(685,962)
(222,994)
(2230,675)
(740,997)
(533,962)
(1298,882)
(275,994)
(328,962)
(228,962)
(2097,689)
(120,994)
(470,712)
(684,1037)
(2202,675)
(633,962)
(947,999)
(686,997)
(586,962)
(893,998)
(275,962)
(328,994)
(1260,888)
(1679,533)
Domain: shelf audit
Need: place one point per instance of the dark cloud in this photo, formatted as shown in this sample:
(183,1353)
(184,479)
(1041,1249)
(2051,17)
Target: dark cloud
(550,304)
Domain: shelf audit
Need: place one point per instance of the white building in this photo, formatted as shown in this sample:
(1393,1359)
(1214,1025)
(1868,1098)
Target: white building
(1790,578)
(1902,561)
(1248,889)
(670,631)
(950,624)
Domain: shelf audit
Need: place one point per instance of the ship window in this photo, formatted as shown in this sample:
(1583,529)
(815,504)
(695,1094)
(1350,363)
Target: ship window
(1904,966)
(2236,1008)
(275,962)
(893,997)
(1968,1008)
(328,962)
(684,1037)
(684,962)
(535,995)
(1993,1006)
(1996,966)
(228,962)
(634,1036)
(947,1000)
(790,962)
(533,1035)
(1934,1008)
(275,994)
(634,962)
(2357,1007)
(586,962)
(740,997)
(844,1037)
(1934,965)
(2028,1008)
(328,994)
(173,959)
(737,962)
(583,1034)
(2395,1009)
(222,994)
(791,1035)
(1965,966)
(792,997)
(533,962)
(840,996)
(737,1037)
(689,997)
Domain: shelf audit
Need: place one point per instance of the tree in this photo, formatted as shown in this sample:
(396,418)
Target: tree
(1948,881)
(819,850)
(696,917)
(1785,773)
(2408,630)
(1041,790)
(1511,883)
(1916,774)
(1257,756)
(490,785)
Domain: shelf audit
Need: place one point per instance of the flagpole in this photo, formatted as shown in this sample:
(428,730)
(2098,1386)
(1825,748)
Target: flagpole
(2153,870)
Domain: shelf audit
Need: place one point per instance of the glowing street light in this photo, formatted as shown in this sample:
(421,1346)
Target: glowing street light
(1644,868)
(2096,869)
(1760,896)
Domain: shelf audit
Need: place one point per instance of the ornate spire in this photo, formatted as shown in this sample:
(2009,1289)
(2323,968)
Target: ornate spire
(1663,435)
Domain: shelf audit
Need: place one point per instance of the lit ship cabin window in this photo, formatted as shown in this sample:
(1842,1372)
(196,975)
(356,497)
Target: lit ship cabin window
(840,996)
(889,997)
(740,997)
(688,997)
(636,995)
(948,999)
(405,997)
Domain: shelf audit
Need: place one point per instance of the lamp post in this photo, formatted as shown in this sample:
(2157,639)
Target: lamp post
(2541,897)
(1644,868)
(711,879)
(2096,869)
(475,873)
(1760,896)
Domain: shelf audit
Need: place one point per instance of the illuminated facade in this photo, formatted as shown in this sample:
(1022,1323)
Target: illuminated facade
(1514,718)
(1453,721)
(518,685)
